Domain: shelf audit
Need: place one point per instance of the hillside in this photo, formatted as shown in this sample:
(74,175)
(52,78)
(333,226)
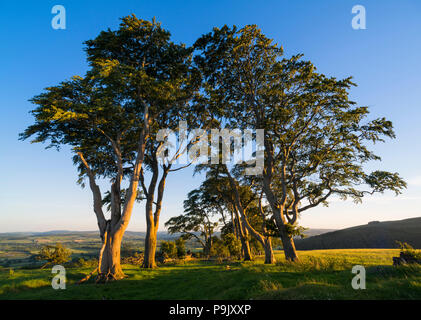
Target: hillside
(316,232)
(372,235)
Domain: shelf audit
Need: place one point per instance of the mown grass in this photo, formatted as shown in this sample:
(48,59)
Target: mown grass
(320,274)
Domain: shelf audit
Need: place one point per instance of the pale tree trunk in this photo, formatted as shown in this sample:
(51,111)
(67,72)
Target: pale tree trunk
(245,245)
(152,217)
(287,240)
(150,249)
(243,223)
(278,212)
(288,245)
(269,257)
(109,258)
(248,256)
(150,239)
(112,231)
(265,241)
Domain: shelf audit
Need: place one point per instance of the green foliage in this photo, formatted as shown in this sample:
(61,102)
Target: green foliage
(54,255)
(169,249)
(255,246)
(316,139)
(128,249)
(233,244)
(408,250)
(197,221)
(83,263)
(219,249)
(295,230)
(180,243)
(135,259)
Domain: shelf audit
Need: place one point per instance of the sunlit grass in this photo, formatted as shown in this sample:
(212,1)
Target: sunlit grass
(321,274)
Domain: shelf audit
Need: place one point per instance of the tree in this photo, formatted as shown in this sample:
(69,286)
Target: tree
(315,138)
(106,118)
(160,75)
(247,204)
(169,249)
(219,193)
(154,160)
(196,222)
(54,255)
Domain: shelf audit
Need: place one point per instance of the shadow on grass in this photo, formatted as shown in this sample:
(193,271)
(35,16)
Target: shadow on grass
(232,280)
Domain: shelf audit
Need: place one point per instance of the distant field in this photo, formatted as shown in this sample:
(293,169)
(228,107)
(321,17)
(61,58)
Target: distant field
(19,249)
(321,274)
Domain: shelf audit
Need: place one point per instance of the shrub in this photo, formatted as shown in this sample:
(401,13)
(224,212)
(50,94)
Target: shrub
(82,263)
(233,244)
(409,251)
(219,250)
(54,255)
(135,259)
(197,255)
(180,244)
(127,249)
(169,249)
(255,246)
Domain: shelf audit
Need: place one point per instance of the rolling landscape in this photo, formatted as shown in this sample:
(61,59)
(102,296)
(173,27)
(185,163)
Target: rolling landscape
(18,249)
(323,270)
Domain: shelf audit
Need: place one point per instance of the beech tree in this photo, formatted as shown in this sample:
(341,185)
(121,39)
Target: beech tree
(246,201)
(85,116)
(218,190)
(316,141)
(160,75)
(197,221)
(106,117)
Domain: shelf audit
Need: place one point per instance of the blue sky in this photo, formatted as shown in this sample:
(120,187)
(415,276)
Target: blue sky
(38,188)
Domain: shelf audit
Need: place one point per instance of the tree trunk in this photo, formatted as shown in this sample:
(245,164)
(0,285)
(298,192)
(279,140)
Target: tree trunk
(287,240)
(245,248)
(109,267)
(288,245)
(150,239)
(269,257)
(152,218)
(245,245)
(150,249)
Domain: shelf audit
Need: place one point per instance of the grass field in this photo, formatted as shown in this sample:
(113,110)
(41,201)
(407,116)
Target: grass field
(321,274)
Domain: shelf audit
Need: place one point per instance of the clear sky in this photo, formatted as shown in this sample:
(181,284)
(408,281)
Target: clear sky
(38,190)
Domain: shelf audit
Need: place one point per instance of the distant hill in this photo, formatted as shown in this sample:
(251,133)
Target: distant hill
(316,232)
(375,234)
(161,235)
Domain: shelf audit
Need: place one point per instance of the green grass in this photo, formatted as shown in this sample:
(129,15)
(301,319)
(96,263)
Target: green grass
(321,274)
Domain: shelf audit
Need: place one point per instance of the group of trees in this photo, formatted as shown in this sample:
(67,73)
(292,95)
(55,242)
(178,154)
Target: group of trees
(139,81)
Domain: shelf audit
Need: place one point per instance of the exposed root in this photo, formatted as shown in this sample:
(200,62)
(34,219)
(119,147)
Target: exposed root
(88,276)
(106,277)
